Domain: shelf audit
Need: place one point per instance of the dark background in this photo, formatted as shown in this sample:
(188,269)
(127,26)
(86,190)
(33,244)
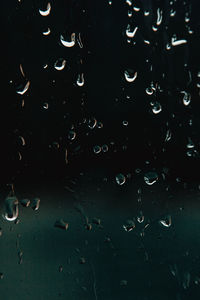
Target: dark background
(41,261)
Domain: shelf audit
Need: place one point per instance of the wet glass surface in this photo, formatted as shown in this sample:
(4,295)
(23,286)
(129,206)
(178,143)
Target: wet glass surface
(100,131)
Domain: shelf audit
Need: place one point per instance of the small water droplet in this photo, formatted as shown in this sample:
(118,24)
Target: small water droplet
(61,224)
(104,148)
(120,179)
(129,226)
(130,75)
(97,149)
(80,80)
(60,64)
(71,135)
(35,203)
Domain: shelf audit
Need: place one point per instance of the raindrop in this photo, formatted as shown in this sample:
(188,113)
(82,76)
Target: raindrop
(190,144)
(146,13)
(24,89)
(79,41)
(168,136)
(123,282)
(46,32)
(60,64)
(167,222)
(130,76)
(47,11)
(140,218)
(35,203)
(186,280)
(129,2)
(92,123)
(120,179)
(130,13)
(80,80)
(22,140)
(82,260)
(172,13)
(159,17)
(68,43)
(150,178)
(97,149)
(104,148)
(110,2)
(11,208)
(130,33)
(129,226)
(149,91)
(136,8)
(96,221)
(25,202)
(1,275)
(178,42)
(61,224)
(186,98)
(157,108)
(125,123)
(71,135)
(45,105)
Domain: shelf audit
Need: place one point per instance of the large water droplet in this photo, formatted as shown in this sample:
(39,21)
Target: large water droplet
(66,43)
(130,75)
(47,11)
(11,208)
(24,89)
(46,32)
(150,178)
(131,33)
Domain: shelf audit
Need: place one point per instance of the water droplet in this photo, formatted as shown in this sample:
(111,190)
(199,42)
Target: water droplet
(120,179)
(190,144)
(97,149)
(61,224)
(157,108)
(150,178)
(47,11)
(176,42)
(45,105)
(1,275)
(11,208)
(140,218)
(25,202)
(66,43)
(60,64)
(130,75)
(167,222)
(104,148)
(24,89)
(146,13)
(186,280)
(35,203)
(168,136)
(80,80)
(186,98)
(172,13)
(149,91)
(123,282)
(136,8)
(159,17)
(46,32)
(71,135)
(82,260)
(22,140)
(125,123)
(129,2)
(129,32)
(129,226)
(110,2)
(96,221)
(130,13)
